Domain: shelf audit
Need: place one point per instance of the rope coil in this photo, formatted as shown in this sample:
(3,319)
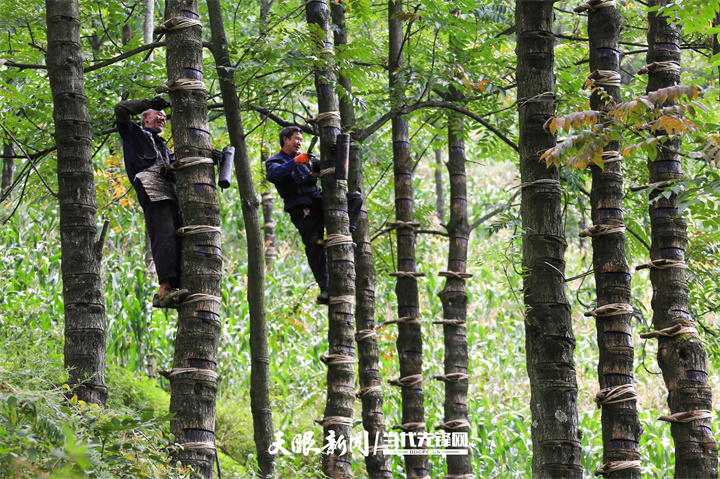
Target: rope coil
(327,171)
(611,156)
(333,359)
(197,297)
(364,334)
(404,320)
(657,67)
(181,84)
(328,115)
(687,416)
(452,377)
(601,230)
(407,381)
(604,77)
(197,229)
(410,426)
(453,424)
(459,476)
(191,161)
(613,466)
(593,5)
(671,332)
(461,323)
(613,309)
(403,224)
(334,420)
(543,181)
(662,264)
(456,275)
(342,299)
(175,371)
(338,240)
(615,395)
(365,391)
(407,274)
(208,448)
(176,23)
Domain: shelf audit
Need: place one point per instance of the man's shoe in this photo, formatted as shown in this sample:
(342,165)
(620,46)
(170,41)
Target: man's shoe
(323,298)
(171,299)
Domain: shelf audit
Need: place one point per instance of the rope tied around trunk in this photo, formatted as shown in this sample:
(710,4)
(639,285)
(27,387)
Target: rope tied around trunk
(328,115)
(671,332)
(460,323)
(197,297)
(453,424)
(604,77)
(197,229)
(364,334)
(181,163)
(407,274)
(601,230)
(403,224)
(327,171)
(404,320)
(452,377)
(593,5)
(615,395)
(540,182)
(335,420)
(333,359)
(613,309)
(208,448)
(658,185)
(365,391)
(338,240)
(456,275)
(657,67)
(611,156)
(459,476)
(662,264)
(181,84)
(176,23)
(407,381)
(410,426)
(342,299)
(175,371)
(269,224)
(687,416)
(613,466)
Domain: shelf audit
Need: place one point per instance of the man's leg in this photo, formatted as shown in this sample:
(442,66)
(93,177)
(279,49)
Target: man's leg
(311,227)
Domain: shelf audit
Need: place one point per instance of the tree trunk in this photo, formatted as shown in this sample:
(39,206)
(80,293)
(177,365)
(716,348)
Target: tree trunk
(268,213)
(621,428)
(260,356)
(548,329)
(681,355)
(8,171)
(148,23)
(341,267)
(439,191)
(193,380)
(370,393)
(409,340)
(81,251)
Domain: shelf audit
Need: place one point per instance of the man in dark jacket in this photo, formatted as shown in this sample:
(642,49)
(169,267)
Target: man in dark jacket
(295,176)
(147,162)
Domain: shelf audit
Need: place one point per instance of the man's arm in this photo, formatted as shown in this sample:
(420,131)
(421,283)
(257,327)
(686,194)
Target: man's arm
(278,169)
(128,108)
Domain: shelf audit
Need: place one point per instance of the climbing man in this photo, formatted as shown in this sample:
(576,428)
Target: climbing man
(295,175)
(147,162)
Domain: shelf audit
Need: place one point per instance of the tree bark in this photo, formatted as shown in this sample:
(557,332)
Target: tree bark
(193,380)
(621,428)
(370,393)
(681,357)
(260,356)
(268,215)
(409,340)
(341,267)
(439,191)
(81,253)
(8,171)
(548,329)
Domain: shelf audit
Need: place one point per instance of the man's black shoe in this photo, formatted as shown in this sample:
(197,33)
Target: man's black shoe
(323,298)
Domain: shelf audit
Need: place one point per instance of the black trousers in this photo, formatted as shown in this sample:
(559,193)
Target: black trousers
(162,220)
(310,223)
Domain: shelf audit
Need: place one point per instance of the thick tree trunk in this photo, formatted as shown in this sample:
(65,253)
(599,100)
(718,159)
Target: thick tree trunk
(548,329)
(260,356)
(341,267)
(439,190)
(681,355)
(81,251)
(8,171)
(621,428)
(193,379)
(148,22)
(409,340)
(370,393)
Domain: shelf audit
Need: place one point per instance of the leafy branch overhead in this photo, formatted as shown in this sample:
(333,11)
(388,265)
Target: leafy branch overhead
(649,120)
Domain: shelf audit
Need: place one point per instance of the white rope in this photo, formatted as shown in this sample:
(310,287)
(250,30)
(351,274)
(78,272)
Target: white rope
(181,84)
(181,163)
(197,229)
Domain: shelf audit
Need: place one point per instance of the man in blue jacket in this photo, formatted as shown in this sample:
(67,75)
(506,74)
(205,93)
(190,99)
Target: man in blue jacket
(295,176)
(147,162)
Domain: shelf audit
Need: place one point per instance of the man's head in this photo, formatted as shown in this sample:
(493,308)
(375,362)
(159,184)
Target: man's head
(154,119)
(291,140)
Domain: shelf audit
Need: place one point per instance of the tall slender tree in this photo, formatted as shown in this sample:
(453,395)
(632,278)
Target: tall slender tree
(81,251)
(681,354)
(549,338)
(370,393)
(409,339)
(260,356)
(337,420)
(8,169)
(193,378)
(439,189)
(621,429)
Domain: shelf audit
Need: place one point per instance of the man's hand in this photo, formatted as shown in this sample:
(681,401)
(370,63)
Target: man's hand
(302,158)
(159,103)
(217,156)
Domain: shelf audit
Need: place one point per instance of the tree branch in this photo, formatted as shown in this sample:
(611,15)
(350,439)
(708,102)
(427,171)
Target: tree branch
(495,212)
(122,56)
